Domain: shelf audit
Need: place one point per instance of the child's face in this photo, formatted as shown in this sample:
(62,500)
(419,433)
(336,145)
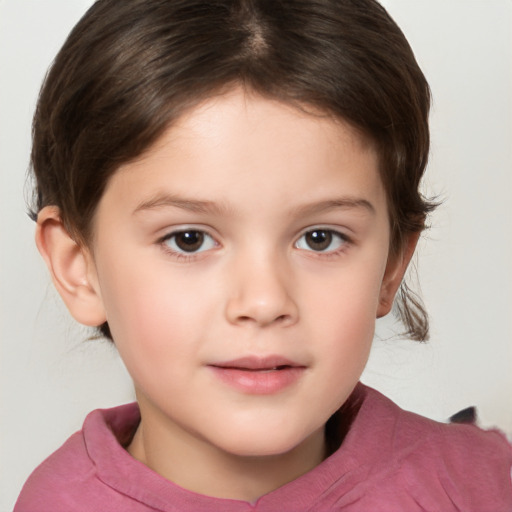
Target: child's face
(251,236)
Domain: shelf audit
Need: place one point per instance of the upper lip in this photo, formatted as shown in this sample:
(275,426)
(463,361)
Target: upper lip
(255,363)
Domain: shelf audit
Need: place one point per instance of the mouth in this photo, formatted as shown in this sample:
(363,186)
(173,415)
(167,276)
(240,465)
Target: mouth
(259,375)
(258,364)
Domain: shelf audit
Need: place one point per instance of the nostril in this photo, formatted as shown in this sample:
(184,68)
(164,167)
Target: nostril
(261,308)
(249,319)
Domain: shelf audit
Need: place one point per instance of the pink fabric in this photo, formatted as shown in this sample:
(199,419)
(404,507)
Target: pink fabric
(390,460)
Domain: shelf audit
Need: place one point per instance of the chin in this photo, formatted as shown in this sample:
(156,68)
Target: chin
(268,443)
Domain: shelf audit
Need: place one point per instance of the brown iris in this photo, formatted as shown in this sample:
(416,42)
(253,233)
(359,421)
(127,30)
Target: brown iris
(189,241)
(319,239)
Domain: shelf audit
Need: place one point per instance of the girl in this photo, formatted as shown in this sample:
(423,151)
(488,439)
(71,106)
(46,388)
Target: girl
(228,190)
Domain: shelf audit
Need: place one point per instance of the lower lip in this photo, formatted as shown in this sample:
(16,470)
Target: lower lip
(264,382)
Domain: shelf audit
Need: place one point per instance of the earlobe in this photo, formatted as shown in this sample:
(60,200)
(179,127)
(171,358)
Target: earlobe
(395,271)
(71,268)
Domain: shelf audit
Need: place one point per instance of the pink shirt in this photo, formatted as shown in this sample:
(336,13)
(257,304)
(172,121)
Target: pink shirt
(390,460)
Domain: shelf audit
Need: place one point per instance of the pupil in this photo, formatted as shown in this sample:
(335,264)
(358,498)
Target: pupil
(189,241)
(319,240)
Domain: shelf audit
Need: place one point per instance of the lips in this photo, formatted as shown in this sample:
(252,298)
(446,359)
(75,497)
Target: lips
(258,375)
(253,363)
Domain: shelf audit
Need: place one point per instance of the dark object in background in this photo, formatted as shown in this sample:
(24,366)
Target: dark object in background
(467,415)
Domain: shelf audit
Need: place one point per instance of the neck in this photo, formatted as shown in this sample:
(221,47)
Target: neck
(196,465)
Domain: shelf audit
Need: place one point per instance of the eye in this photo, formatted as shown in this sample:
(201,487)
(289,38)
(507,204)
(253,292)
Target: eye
(189,241)
(321,240)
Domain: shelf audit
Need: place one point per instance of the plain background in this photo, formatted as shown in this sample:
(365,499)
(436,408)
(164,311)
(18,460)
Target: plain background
(51,377)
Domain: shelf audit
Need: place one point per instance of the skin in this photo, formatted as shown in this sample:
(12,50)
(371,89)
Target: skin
(254,176)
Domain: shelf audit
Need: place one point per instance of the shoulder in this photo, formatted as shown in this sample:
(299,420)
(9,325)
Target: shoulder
(469,465)
(450,444)
(62,479)
(68,479)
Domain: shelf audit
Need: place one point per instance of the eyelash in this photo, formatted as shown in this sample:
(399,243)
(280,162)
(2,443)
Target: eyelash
(343,240)
(185,256)
(181,254)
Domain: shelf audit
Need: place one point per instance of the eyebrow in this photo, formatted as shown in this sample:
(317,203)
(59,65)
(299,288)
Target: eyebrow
(192,205)
(342,203)
(211,207)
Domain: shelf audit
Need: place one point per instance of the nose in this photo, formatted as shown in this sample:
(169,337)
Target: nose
(260,293)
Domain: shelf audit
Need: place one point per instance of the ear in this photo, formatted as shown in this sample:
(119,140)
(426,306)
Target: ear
(394,273)
(71,267)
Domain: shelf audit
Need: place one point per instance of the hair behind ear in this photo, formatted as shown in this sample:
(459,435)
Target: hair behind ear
(409,308)
(396,295)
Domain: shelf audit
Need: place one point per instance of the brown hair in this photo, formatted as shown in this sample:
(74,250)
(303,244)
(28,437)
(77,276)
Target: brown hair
(130,68)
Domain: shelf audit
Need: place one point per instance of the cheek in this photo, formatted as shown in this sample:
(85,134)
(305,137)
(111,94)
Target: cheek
(348,298)
(348,328)
(343,312)
(152,312)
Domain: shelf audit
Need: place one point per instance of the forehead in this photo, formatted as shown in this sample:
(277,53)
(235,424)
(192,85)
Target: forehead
(240,142)
(239,107)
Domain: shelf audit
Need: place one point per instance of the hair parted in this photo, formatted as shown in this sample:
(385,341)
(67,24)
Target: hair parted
(130,68)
